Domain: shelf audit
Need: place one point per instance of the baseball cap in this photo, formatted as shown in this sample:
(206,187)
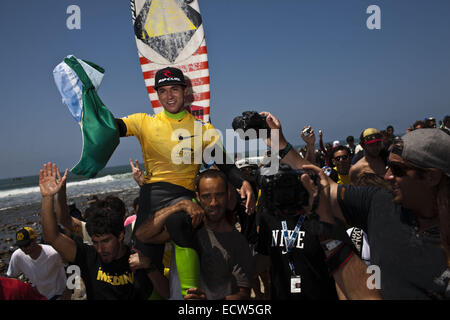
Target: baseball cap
(169,76)
(371,135)
(336,143)
(24,236)
(425,148)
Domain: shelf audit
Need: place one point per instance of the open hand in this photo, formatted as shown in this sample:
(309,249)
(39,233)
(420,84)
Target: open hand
(50,180)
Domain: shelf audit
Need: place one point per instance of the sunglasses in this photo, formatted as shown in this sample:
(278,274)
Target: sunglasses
(399,169)
(339,158)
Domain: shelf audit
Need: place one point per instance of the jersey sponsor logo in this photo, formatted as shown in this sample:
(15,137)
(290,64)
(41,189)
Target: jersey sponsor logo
(278,240)
(115,280)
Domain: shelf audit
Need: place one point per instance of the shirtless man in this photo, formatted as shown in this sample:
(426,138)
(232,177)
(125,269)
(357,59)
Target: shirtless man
(371,141)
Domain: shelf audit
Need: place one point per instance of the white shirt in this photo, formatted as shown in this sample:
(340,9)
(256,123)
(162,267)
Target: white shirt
(46,273)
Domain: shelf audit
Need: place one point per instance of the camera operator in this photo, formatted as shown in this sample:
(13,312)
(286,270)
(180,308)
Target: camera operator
(298,269)
(404,227)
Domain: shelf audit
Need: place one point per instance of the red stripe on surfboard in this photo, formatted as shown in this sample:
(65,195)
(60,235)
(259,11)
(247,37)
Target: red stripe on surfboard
(185,68)
(193,83)
(200,50)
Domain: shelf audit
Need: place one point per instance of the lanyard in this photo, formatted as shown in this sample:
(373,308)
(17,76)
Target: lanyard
(289,241)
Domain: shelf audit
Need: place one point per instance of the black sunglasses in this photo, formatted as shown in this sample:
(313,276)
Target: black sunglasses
(399,169)
(344,157)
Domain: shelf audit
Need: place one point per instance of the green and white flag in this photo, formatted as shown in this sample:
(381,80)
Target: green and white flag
(77,81)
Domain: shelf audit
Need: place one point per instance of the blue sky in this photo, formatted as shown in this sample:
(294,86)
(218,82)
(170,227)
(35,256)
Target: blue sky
(307,61)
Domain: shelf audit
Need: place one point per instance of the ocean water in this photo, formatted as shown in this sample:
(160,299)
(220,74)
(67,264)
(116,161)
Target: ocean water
(23,191)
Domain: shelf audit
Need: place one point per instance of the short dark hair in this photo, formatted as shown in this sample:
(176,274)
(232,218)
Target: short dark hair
(341,147)
(112,202)
(419,122)
(210,173)
(104,221)
(350,138)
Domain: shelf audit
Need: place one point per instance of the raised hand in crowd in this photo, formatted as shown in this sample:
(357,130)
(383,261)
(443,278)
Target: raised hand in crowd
(50,180)
(308,135)
(138,174)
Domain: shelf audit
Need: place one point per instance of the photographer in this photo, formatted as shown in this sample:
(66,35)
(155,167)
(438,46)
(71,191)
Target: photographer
(298,270)
(402,226)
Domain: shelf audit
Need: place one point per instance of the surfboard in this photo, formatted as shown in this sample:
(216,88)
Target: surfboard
(169,33)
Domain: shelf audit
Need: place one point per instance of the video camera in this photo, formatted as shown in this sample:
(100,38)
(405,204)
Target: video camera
(250,120)
(283,190)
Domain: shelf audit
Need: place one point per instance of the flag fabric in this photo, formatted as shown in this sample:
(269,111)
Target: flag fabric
(77,81)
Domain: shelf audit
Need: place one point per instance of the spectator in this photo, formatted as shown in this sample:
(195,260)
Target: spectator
(373,161)
(446,124)
(430,122)
(108,266)
(351,145)
(342,163)
(419,124)
(40,263)
(298,270)
(225,259)
(403,226)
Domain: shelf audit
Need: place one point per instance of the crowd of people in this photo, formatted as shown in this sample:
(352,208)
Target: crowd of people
(310,231)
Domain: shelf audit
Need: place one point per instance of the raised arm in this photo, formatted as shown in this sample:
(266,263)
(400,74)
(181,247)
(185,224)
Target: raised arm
(310,140)
(62,213)
(50,182)
(348,270)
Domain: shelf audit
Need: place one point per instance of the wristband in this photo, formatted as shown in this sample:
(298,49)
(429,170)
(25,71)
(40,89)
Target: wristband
(339,257)
(283,152)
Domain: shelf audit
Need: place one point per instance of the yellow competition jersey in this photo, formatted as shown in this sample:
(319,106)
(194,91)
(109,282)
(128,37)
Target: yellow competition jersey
(172,145)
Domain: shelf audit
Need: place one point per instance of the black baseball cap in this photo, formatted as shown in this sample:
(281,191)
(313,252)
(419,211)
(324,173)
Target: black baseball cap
(169,76)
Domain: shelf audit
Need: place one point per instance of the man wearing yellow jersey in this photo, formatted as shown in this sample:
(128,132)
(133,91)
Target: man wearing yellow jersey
(173,143)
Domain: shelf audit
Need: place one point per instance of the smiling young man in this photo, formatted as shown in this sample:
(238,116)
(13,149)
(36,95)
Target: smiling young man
(408,242)
(403,226)
(225,259)
(173,145)
(108,266)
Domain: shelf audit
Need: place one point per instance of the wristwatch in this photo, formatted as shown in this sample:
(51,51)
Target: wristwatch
(283,152)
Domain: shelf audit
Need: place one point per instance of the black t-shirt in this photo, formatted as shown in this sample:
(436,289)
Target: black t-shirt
(410,263)
(112,281)
(307,255)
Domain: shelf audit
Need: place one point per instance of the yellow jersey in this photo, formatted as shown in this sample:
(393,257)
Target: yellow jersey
(172,145)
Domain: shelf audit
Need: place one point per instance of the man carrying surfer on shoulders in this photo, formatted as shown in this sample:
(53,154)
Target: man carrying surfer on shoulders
(164,138)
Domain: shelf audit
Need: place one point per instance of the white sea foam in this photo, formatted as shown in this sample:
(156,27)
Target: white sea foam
(28,195)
